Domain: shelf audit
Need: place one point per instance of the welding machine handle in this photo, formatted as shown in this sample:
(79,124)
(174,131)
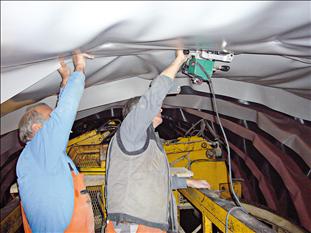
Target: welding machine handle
(224,68)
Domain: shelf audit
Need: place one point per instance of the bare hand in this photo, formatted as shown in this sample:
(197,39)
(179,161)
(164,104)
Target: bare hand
(198,184)
(64,71)
(180,56)
(79,60)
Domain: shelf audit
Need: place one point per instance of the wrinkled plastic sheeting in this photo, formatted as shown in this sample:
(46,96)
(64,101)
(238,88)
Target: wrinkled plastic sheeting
(271,42)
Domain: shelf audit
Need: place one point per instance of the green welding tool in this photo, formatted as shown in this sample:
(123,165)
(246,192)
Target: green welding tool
(201,64)
(200,68)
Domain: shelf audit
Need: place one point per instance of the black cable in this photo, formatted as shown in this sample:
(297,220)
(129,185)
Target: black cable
(235,197)
(210,84)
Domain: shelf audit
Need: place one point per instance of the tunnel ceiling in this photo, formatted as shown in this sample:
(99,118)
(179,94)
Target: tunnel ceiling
(134,41)
(264,99)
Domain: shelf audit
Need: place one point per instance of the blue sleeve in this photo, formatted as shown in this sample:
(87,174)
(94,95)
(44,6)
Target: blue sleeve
(134,126)
(51,140)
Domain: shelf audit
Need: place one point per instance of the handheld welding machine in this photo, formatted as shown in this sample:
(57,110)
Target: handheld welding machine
(201,64)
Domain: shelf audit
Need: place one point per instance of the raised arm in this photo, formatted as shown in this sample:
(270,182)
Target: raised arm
(49,142)
(64,72)
(173,69)
(63,116)
(134,126)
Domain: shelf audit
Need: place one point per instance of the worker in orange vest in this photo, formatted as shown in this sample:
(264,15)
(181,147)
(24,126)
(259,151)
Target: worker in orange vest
(52,191)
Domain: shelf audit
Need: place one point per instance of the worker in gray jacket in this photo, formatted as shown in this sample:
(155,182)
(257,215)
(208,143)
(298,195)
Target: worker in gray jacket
(139,187)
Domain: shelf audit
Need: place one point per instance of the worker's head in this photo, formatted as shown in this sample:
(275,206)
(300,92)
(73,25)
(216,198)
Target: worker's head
(131,103)
(33,120)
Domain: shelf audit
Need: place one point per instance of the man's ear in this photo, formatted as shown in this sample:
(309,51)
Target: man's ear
(35,127)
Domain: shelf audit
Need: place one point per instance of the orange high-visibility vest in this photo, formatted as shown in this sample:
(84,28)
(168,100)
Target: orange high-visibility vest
(82,217)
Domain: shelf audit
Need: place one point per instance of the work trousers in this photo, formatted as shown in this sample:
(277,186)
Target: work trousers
(112,227)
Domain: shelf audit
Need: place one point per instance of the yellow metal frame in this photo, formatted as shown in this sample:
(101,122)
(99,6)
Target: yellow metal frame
(88,156)
(207,225)
(190,152)
(98,207)
(88,147)
(93,137)
(186,144)
(225,190)
(213,212)
(94,170)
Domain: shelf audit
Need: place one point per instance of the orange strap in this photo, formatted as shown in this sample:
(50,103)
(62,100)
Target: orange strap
(82,218)
(27,228)
(145,229)
(110,228)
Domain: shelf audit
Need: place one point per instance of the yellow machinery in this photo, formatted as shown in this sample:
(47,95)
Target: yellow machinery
(193,153)
(196,154)
(90,160)
(89,155)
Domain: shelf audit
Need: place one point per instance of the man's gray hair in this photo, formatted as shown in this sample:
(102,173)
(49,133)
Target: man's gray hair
(30,117)
(129,105)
